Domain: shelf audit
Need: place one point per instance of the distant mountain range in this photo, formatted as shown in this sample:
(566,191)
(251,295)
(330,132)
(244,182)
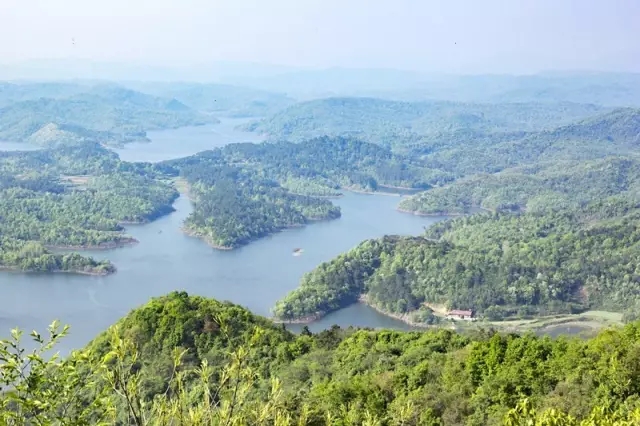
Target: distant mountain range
(610,89)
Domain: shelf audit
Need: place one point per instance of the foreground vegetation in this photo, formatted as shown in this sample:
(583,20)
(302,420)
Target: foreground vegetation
(499,265)
(193,361)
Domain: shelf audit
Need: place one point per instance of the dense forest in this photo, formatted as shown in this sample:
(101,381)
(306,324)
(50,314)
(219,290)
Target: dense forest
(104,113)
(398,124)
(552,185)
(32,256)
(73,197)
(498,264)
(188,360)
(245,191)
(613,133)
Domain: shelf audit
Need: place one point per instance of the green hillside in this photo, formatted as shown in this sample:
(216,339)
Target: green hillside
(104,113)
(187,360)
(72,197)
(498,265)
(399,124)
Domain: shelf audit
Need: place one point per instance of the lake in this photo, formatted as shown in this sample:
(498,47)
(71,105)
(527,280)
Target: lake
(185,141)
(254,276)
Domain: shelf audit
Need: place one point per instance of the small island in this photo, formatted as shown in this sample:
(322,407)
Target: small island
(17,255)
(246,191)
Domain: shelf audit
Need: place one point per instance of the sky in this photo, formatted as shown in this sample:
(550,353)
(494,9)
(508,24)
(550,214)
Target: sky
(444,36)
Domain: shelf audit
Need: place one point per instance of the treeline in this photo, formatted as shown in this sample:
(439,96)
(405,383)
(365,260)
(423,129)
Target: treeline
(459,139)
(499,265)
(237,368)
(73,197)
(232,209)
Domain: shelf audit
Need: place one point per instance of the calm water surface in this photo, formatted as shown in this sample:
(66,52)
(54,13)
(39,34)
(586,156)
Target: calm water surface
(185,141)
(165,260)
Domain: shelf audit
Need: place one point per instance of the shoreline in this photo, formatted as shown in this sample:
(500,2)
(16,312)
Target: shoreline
(363,299)
(196,234)
(301,321)
(443,214)
(104,246)
(362,191)
(405,318)
(86,273)
(543,324)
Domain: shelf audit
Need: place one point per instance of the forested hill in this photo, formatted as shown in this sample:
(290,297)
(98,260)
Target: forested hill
(104,113)
(73,197)
(552,185)
(404,123)
(592,158)
(185,357)
(246,191)
(222,99)
(499,265)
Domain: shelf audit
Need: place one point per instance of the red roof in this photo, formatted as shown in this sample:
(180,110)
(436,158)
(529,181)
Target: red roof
(461,313)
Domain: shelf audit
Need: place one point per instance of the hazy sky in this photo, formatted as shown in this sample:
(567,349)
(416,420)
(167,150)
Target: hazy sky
(467,36)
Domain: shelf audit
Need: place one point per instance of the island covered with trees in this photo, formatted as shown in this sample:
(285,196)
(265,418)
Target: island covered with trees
(73,197)
(245,191)
(186,357)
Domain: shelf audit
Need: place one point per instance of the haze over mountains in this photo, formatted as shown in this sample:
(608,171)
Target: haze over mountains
(603,88)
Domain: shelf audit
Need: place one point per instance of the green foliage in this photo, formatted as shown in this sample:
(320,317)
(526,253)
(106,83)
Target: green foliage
(245,191)
(402,124)
(34,257)
(614,133)
(104,113)
(504,264)
(264,375)
(72,198)
(545,186)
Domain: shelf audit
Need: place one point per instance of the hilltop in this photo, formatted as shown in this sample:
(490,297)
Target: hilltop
(192,360)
